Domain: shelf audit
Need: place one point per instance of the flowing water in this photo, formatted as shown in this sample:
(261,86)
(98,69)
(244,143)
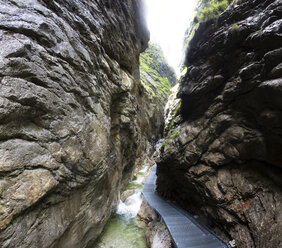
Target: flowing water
(123,229)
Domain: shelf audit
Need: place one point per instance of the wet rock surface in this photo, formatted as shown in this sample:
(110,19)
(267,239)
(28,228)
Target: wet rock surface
(222,157)
(157,234)
(74,121)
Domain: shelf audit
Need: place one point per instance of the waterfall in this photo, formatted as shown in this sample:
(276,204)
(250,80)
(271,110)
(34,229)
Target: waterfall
(130,207)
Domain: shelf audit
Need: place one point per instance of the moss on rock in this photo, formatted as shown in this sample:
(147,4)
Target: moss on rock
(157,76)
(210,9)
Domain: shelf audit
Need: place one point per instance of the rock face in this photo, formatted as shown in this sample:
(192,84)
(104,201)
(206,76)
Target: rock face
(222,157)
(157,235)
(157,78)
(155,71)
(74,122)
(156,75)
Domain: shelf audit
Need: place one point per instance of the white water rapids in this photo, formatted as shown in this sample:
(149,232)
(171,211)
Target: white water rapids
(131,206)
(123,229)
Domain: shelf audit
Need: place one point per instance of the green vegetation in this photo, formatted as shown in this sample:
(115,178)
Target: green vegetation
(171,123)
(175,112)
(175,134)
(171,136)
(234,28)
(211,9)
(148,89)
(134,185)
(177,109)
(207,9)
(157,76)
(184,71)
(260,30)
(197,153)
(165,145)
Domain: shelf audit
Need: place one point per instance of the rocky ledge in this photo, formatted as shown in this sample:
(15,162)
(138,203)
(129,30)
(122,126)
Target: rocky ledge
(157,234)
(222,156)
(74,120)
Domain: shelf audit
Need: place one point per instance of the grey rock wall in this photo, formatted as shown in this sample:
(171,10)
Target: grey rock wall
(222,158)
(74,121)
(157,234)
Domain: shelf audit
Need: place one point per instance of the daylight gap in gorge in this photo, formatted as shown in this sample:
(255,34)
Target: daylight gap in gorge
(89,103)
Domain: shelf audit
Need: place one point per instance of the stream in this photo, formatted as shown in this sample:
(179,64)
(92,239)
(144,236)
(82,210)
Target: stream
(123,229)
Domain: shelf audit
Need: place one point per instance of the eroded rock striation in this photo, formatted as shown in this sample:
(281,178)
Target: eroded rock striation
(222,157)
(74,121)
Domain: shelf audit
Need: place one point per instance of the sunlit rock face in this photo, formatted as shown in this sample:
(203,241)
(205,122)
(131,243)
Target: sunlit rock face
(74,121)
(222,157)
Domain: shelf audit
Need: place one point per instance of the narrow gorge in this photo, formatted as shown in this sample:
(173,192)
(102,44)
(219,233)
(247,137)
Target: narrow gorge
(85,96)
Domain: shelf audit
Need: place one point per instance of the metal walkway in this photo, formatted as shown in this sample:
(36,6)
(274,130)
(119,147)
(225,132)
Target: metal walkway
(184,230)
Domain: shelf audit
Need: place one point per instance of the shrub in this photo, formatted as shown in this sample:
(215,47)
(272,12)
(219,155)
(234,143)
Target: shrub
(211,9)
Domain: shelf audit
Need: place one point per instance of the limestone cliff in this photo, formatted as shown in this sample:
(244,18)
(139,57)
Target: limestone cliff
(156,73)
(222,156)
(74,120)
(157,77)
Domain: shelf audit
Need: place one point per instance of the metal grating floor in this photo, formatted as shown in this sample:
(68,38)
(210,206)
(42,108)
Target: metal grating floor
(186,233)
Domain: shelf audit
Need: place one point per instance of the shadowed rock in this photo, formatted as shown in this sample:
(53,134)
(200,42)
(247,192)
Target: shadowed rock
(222,157)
